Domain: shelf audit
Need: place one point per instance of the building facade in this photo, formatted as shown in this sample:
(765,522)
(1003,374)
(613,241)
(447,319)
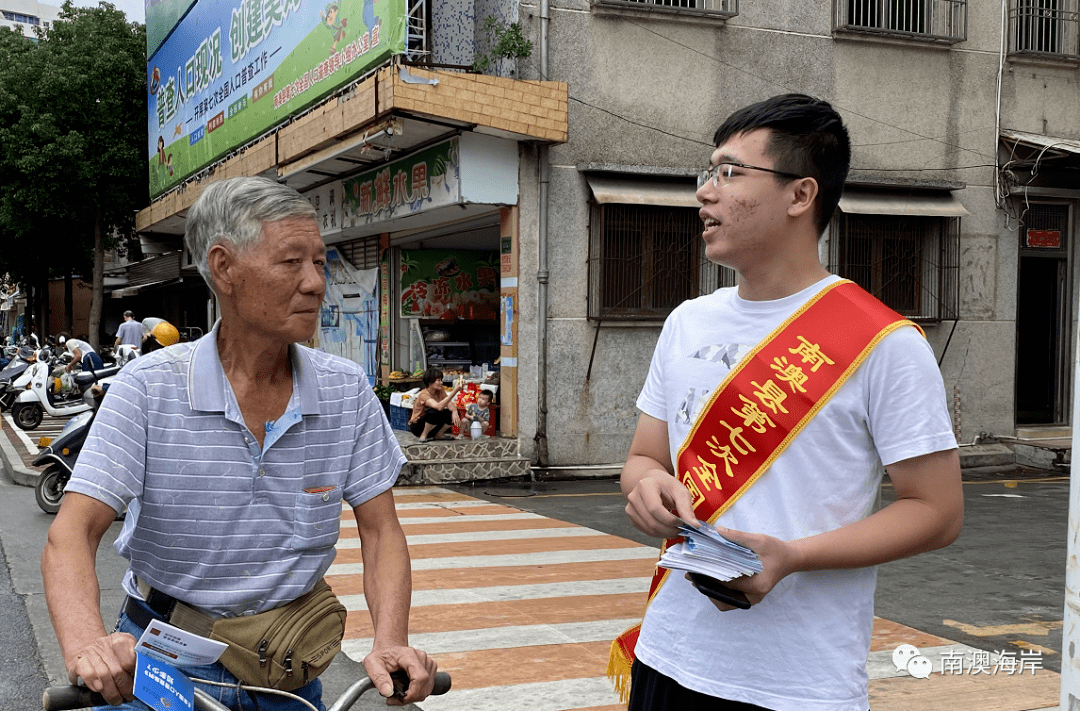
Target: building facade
(960,209)
(25,16)
(574,174)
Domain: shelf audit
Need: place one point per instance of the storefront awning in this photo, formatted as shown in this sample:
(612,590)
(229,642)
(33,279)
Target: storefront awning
(133,290)
(636,192)
(880,203)
(1052,144)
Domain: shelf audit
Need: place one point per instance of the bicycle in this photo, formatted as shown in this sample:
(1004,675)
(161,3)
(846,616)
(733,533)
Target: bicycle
(66,698)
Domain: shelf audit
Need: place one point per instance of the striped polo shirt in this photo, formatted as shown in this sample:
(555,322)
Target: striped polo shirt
(214,519)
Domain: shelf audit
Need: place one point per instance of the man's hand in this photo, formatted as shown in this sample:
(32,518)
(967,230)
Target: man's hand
(778,560)
(654,496)
(653,499)
(418,665)
(107,666)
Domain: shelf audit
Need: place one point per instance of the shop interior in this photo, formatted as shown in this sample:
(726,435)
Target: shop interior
(445,306)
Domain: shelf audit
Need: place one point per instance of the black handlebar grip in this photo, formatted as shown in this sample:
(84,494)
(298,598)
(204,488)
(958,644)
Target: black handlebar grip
(59,698)
(401,683)
(442,684)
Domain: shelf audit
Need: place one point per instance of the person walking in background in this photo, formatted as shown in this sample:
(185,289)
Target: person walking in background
(130,332)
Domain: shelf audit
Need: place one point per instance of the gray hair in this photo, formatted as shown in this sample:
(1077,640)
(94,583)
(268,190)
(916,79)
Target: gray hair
(233,211)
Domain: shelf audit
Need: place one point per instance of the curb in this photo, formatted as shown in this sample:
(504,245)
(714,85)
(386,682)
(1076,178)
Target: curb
(12,463)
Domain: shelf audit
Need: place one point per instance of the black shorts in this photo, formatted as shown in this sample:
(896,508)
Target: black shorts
(436,418)
(652,691)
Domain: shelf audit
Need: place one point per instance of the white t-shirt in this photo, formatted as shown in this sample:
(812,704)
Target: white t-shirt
(804,647)
(72,343)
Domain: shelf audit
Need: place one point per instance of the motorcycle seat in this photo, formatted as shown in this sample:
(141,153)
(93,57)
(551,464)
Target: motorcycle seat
(86,379)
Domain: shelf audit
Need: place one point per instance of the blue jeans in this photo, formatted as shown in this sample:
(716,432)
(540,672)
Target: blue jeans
(92,361)
(227,695)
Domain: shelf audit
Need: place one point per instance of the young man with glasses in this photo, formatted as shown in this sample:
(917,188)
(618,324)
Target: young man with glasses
(770,410)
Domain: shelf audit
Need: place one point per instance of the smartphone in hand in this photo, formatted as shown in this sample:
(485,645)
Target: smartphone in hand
(713,588)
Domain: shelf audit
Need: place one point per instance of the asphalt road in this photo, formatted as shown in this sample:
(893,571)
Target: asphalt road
(1000,586)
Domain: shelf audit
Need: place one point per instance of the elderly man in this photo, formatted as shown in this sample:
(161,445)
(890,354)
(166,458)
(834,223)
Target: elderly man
(233,454)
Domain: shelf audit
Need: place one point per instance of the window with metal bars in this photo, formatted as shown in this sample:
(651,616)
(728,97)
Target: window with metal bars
(1044,28)
(646,260)
(714,8)
(939,20)
(361,253)
(910,263)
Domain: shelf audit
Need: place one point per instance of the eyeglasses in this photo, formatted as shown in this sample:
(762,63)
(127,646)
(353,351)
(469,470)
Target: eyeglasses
(720,174)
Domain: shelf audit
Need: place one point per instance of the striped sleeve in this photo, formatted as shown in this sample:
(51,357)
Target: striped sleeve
(112,463)
(376,457)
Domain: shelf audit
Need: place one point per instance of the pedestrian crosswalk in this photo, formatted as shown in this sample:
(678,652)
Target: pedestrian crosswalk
(521,610)
(514,605)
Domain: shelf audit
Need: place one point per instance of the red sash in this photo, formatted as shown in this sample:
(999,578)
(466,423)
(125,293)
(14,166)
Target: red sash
(761,406)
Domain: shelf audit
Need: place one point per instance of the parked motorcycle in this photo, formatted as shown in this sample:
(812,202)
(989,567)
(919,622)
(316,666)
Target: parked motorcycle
(23,358)
(40,392)
(60,455)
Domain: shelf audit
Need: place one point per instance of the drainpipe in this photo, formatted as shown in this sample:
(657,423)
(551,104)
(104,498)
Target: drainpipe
(542,265)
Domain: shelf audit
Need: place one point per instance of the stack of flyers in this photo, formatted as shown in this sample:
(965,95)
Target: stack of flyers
(707,552)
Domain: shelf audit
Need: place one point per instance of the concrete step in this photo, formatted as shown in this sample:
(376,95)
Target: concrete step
(986,455)
(460,460)
(1063,432)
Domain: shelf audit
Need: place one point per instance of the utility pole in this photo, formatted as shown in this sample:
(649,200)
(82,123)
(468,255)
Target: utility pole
(1070,633)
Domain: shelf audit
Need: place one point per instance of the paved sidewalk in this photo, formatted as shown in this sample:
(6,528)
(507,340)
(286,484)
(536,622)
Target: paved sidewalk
(521,609)
(18,448)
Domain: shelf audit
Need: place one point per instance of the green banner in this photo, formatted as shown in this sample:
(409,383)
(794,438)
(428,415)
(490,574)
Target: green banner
(231,71)
(450,284)
(418,182)
(161,17)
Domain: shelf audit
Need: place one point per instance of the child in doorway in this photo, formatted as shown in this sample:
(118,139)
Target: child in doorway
(477,412)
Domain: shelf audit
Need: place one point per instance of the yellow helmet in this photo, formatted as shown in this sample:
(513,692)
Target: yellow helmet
(165,333)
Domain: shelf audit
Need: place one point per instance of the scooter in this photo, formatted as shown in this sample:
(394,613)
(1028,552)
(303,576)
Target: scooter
(60,455)
(24,357)
(39,393)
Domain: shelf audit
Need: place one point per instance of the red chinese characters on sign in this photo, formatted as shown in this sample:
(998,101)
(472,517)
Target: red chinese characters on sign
(1046,239)
(420,181)
(366,202)
(401,189)
(382,190)
(441,287)
(486,276)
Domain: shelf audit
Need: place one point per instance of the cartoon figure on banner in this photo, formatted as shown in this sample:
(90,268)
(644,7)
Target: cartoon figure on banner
(329,18)
(155,81)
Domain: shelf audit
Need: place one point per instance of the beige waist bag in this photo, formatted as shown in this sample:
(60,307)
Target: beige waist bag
(287,647)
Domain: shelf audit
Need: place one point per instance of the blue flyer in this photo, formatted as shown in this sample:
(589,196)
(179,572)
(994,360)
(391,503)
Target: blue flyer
(162,687)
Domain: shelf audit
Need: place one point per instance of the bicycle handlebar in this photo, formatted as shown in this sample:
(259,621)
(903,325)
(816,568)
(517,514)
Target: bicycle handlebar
(65,698)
